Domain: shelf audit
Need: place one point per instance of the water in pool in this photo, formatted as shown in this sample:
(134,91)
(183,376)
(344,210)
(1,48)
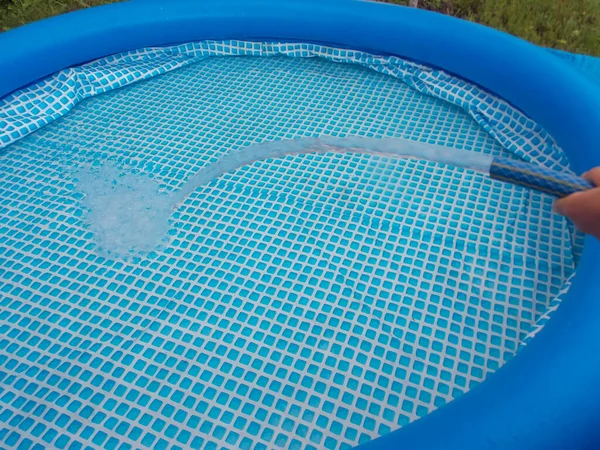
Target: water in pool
(129,215)
(307,301)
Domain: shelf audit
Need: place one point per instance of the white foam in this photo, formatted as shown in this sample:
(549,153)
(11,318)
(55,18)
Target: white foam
(129,216)
(390,147)
(402,148)
(127,213)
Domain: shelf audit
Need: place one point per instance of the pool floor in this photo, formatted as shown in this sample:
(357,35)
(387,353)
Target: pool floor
(314,301)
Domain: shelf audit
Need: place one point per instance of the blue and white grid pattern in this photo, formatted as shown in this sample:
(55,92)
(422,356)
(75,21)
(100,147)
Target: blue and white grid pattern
(34,107)
(337,299)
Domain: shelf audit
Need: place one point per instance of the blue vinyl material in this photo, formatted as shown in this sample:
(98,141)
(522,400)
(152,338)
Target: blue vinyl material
(548,395)
(558,184)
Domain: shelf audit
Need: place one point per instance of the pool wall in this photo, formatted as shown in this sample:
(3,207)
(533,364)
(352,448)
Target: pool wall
(548,396)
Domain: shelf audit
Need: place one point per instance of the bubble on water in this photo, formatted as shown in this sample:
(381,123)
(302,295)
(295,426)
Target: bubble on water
(129,216)
(126,212)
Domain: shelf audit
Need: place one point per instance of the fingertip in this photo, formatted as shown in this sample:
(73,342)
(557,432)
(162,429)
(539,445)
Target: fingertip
(558,207)
(592,175)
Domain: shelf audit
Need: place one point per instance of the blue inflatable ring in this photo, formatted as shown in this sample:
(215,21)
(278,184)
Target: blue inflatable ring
(548,396)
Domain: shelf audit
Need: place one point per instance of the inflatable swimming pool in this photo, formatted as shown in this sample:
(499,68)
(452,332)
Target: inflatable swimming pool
(309,302)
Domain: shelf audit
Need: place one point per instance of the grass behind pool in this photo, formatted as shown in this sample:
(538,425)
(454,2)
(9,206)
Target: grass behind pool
(572,25)
(14,13)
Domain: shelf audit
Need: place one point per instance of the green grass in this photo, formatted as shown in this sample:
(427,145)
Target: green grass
(14,13)
(572,25)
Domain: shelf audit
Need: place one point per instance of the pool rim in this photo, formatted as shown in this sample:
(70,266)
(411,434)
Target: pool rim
(546,397)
